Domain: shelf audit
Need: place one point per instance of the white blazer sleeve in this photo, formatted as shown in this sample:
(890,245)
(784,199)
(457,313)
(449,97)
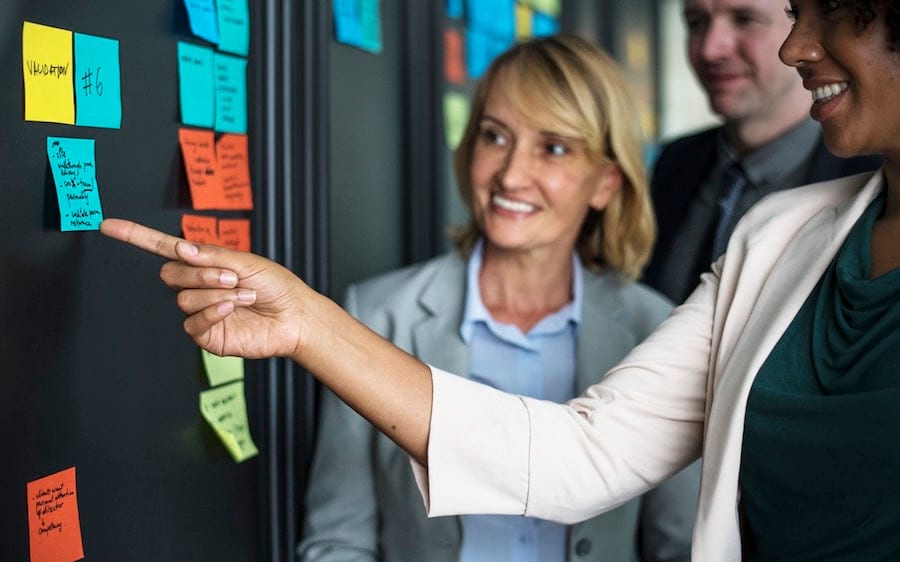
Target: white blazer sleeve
(491,452)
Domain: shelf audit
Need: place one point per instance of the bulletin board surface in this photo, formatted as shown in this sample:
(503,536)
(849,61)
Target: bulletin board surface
(97,372)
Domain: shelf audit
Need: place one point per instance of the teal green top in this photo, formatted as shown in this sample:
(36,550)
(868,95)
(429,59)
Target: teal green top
(820,469)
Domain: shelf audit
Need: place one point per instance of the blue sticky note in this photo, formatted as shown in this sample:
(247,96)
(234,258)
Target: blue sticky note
(358,23)
(196,85)
(74,172)
(493,17)
(231,94)
(481,49)
(455,8)
(543,25)
(234,26)
(202,17)
(98,94)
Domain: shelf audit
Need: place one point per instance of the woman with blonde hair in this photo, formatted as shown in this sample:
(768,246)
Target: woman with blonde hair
(549,168)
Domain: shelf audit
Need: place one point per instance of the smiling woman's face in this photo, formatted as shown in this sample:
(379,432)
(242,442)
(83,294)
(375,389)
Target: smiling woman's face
(851,73)
(532,186)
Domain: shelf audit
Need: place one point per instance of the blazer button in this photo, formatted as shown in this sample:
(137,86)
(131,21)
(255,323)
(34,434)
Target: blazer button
(583,547)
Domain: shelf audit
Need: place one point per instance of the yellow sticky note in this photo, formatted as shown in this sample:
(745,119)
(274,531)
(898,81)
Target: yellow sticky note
(524,17)
(456,116)
(220,370)
(47,68)
(225,409)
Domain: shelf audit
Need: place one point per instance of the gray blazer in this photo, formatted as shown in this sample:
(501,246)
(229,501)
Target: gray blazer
(362,503)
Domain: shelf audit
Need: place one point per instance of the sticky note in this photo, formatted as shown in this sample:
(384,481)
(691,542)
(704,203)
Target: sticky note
(202,18)
(200,229)
(231,93)
(549,7)
(225,409)
(492,17)
(221,370)
(358,23)
(98,97)
(234,26)
(233,169)
(544,25)
(196,85)
(199,153)
(74,172)
(454,8)
(235,234)
(456,117)
(524,16)
(454,70)
(47,69)
(481,49)
(54,529)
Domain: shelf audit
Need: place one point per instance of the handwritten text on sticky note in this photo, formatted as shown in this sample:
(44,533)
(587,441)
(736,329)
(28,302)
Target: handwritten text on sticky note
(54,529)
(74,172)
(47,68)
(225,410)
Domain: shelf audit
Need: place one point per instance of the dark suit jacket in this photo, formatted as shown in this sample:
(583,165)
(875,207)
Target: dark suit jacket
(683,166)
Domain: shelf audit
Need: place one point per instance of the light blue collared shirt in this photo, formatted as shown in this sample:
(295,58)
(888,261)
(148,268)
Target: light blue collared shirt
(539,364)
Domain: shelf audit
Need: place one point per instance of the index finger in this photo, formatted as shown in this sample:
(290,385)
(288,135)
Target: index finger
(143,237)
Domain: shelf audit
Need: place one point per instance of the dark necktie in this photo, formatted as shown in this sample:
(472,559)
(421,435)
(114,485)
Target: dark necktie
(734,182)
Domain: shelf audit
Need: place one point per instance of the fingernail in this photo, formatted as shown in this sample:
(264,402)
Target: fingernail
(246,295)
(189,249)
(228,278)
(225,307)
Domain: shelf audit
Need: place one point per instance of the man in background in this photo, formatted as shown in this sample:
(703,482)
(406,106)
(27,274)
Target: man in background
(704,182)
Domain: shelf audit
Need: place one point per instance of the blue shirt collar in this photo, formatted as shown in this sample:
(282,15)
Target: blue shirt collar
(475,310)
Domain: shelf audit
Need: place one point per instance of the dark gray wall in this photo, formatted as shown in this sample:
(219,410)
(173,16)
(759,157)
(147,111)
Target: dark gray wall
(97,372)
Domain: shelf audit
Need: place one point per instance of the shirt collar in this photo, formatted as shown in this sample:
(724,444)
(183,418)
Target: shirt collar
(475,311)
(767,163)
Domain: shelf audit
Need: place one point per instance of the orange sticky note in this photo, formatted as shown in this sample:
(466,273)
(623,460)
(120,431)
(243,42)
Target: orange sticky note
(199,153)
(234,172)
(54,531)
(200,229)
(454,69)
(235,234)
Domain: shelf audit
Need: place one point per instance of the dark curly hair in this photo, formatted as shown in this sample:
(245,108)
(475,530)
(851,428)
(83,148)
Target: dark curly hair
(867,10)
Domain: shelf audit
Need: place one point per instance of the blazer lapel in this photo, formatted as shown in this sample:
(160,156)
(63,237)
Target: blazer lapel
(744,347)
(599,311)
(436,338)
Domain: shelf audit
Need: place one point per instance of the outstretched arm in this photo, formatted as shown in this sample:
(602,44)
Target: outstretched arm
(243,304)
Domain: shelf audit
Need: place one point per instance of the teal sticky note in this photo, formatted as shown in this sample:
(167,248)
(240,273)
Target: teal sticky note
(98,93)
(454,9)
(358,23)
(492,17)
(202,18)
(231,94)
(481,49)
(234,26)
(196,85)
(74,172)
(543,25)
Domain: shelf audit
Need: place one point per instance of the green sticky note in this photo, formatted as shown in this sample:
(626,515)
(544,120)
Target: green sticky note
(220,370)
(231,94)
(196,85)
(234,26)
(456,117)
(74,172)
(98,99)
(225,409)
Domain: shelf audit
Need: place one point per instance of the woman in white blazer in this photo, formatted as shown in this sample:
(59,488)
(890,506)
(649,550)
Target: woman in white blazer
(544,274)
(693,386)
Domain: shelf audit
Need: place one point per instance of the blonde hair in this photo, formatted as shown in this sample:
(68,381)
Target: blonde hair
(576,88)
